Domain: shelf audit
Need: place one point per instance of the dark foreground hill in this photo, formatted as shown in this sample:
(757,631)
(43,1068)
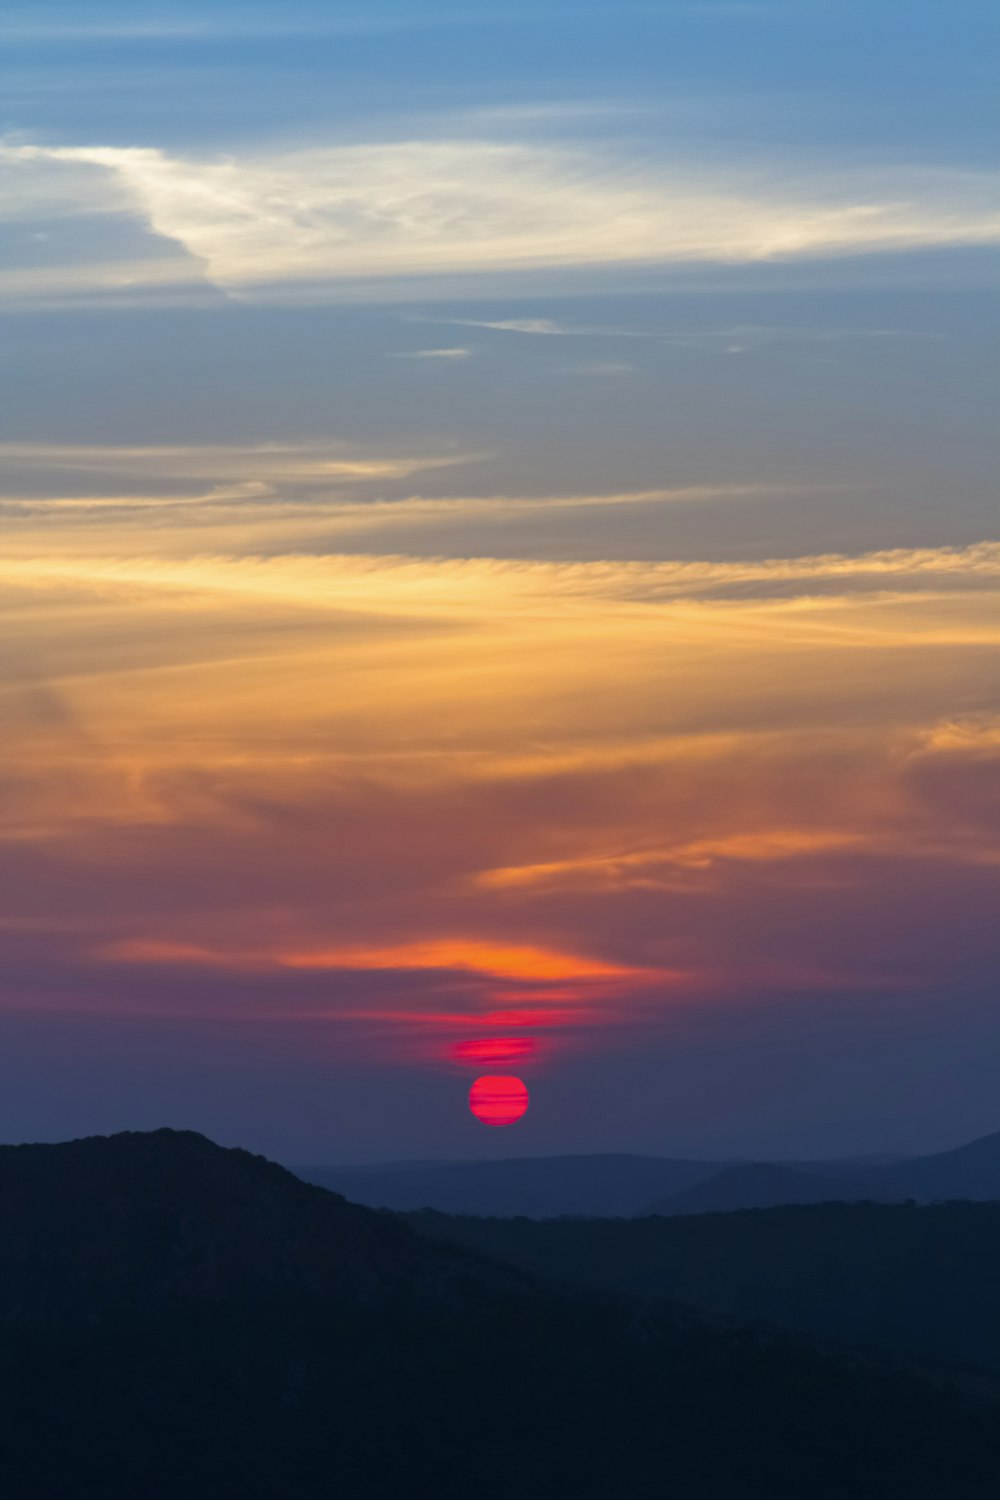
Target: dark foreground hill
(183,1321)
(143,1222)
(919,1282)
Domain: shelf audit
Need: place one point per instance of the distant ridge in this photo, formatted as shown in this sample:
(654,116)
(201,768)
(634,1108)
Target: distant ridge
(623,1185)
(766,1185)
(971,1171)
(612,1185)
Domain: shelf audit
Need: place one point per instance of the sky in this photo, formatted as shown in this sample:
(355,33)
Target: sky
(500,572)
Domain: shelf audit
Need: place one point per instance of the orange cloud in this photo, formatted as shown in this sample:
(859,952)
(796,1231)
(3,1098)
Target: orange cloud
(529,965)
(491,960)
(759,847)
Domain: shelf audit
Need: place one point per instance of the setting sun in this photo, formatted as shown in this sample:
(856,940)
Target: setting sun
(498,1099)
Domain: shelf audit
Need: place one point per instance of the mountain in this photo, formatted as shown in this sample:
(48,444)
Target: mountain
(167,1219)
(623,1185)
(541,1187)
(971,1171)
(766,1185)
(917,1282)
(180,1320)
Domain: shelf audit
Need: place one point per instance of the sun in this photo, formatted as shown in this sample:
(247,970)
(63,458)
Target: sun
(498,1099)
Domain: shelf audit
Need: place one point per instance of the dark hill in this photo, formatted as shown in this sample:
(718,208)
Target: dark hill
(766,1185)
(920,1282)
(147,1221)
(183,1321)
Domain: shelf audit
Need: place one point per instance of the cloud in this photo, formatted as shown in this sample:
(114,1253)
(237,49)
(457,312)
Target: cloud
(546,328)
(643,868)
(247,775)
(446,354)
(489,960)
(275,496)
(495,961)
(736,338)
(976,736)
(261,464)
(516,823)
(796,583)
(536,327)
(352,217)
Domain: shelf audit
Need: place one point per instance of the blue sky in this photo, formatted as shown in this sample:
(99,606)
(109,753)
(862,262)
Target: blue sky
(914,78)
(726,127)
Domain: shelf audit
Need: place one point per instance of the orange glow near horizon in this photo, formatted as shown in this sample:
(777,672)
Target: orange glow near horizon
(424,801)
(498,1099)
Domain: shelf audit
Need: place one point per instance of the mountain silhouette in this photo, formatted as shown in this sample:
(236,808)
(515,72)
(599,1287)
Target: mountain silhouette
(540,1187)
(166,1218)
(917,1281)
(183,1320)
(766,1185)
(971,1171)
(625,1185)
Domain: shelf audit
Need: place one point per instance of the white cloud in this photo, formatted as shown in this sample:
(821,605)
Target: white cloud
(446,354)
(740,336)
(535,327)
(340,217)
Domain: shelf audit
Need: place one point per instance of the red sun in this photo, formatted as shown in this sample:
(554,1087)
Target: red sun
(498,1099)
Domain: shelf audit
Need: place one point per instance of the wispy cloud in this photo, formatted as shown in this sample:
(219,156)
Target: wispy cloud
(640,784)
(790,585)
(264,463)
(644,867)
(346,216)
(534,327)
(285,497)
(445,354)
(546,328)
(743,335)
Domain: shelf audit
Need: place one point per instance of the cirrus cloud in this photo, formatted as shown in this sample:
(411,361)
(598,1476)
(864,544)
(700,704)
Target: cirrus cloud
(308,222)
